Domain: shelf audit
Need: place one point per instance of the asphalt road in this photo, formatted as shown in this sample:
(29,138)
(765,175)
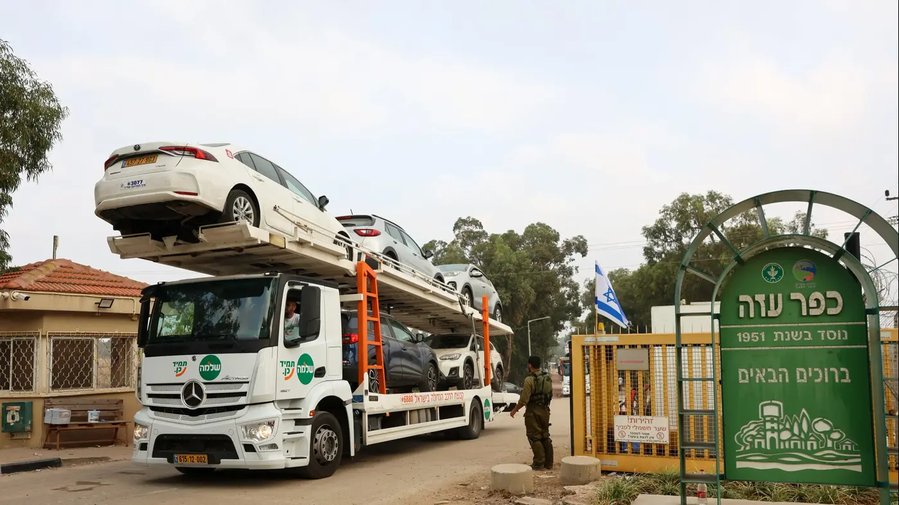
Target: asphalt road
(406,471)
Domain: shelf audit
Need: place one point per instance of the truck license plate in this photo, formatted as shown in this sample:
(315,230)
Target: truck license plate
(191,459)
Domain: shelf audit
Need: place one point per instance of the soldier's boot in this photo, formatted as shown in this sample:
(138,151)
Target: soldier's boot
(548,452)
(539,454)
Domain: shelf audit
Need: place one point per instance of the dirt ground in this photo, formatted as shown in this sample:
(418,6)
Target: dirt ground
(546,486)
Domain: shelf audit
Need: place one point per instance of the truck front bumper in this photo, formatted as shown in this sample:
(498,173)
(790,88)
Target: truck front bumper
(221,444)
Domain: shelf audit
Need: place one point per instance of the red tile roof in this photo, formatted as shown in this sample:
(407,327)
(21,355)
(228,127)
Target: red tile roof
(66,276)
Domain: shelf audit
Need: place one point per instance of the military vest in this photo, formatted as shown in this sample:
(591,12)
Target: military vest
(543,389)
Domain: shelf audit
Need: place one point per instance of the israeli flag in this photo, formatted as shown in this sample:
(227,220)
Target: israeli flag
(606,301)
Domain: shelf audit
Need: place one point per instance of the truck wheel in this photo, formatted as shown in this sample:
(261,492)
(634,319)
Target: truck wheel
(473,430)
(467,375)
(325,447)
(188,470)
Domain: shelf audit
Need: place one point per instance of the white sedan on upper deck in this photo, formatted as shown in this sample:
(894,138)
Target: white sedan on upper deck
(172,188)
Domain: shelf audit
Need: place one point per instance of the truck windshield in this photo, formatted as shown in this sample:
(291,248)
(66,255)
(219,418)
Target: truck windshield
(232,310)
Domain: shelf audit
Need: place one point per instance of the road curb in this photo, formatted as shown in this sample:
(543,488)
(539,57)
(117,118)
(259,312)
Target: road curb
(27,466)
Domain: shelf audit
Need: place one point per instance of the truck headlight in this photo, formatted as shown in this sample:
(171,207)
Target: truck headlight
(141,432)
(450,357)
(259,432)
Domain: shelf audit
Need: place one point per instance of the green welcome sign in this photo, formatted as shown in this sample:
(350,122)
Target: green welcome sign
(795,378)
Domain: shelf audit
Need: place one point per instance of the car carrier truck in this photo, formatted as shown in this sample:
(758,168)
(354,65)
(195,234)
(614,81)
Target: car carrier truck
(223,386)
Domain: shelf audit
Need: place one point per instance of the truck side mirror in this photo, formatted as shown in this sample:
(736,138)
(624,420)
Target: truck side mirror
(143,322)
(323,202)
(310,312)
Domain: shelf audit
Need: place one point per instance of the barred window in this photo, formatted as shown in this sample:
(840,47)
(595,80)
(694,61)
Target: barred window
(17,357)
(85,361)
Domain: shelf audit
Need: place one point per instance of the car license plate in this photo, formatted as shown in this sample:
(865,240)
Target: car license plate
(140,160)
(191,459)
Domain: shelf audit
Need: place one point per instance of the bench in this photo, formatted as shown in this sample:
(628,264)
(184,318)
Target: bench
(111,420)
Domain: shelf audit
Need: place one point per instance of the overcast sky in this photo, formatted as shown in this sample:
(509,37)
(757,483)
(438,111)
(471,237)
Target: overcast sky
(588,116)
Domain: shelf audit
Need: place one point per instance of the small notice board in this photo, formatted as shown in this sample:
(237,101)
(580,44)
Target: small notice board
(646,429)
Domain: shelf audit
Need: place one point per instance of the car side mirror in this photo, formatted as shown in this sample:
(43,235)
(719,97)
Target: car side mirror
(323,202)
(428,254)
(477,274)
(419,338)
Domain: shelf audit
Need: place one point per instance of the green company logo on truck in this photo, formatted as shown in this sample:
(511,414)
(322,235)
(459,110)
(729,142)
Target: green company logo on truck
(305,369)
(210,367)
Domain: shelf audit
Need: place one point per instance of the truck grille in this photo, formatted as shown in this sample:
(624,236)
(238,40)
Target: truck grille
(217,397)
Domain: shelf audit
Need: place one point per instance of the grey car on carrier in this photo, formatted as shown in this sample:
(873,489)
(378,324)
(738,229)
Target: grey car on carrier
(408,362)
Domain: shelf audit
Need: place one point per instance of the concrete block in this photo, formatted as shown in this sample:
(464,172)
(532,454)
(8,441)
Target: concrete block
(530,500)
(579,470)
(512,477)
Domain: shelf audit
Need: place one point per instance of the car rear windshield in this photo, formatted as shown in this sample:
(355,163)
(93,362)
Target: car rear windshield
(453,268)
(350,323)
(356,220)
(448,341)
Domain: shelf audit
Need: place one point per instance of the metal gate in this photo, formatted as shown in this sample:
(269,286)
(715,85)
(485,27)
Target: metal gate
(616,388)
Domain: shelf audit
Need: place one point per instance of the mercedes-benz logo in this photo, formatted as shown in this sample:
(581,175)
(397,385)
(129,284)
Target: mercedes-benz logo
(192,394)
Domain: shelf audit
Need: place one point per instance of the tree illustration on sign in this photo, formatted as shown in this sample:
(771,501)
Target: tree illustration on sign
(794,442)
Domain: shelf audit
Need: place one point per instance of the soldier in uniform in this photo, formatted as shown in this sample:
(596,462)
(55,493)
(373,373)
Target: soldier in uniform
(536,395)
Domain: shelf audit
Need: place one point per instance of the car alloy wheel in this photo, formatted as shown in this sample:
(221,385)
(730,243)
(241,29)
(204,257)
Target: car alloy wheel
(373,382)
(432,377)
(467,375)
(467,297)
(240,206)
(242,210)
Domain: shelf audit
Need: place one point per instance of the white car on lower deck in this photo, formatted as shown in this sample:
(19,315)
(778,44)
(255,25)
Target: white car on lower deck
(172,188)
(459,358)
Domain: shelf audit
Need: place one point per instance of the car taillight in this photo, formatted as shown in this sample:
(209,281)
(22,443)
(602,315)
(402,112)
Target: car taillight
(110,162)
(367,232)
(189,151)
(350,338)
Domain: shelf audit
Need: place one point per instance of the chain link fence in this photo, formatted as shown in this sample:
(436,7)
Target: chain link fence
(18,361)
(79,361)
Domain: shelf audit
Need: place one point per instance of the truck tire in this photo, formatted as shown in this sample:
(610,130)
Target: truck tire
(325,447)
(475,422)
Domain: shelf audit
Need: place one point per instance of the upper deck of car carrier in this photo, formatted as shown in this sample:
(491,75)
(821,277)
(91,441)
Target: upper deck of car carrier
(239,248)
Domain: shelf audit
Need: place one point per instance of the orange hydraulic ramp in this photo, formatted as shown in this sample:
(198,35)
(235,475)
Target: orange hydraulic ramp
(367,287)
(485,317)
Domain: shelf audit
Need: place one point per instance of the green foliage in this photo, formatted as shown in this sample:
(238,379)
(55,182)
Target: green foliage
(619,491)
(667,240)
(533,273)
(624,489)
(30,117)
